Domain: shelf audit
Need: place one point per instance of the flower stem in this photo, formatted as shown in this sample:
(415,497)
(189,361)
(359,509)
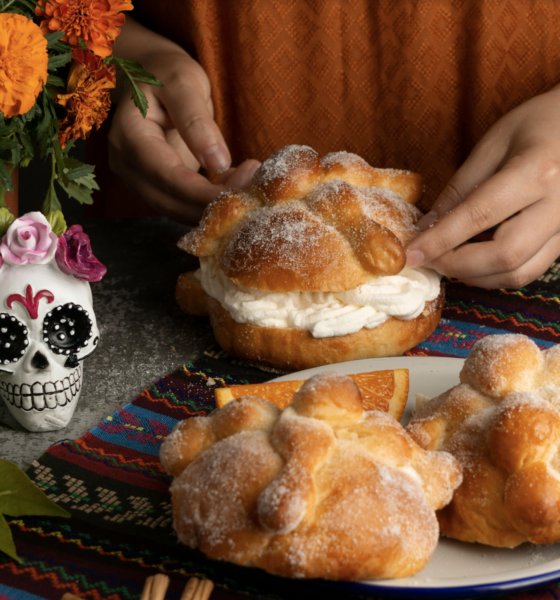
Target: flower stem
(8,5)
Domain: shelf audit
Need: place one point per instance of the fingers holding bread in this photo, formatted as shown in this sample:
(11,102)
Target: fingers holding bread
(315,246)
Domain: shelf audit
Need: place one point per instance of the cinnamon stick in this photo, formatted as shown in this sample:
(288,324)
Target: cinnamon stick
(147,591)
(190,589)
(69,596)
(203,590)
(159,587)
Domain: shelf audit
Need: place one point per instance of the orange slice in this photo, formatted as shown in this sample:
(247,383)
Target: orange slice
(382,390)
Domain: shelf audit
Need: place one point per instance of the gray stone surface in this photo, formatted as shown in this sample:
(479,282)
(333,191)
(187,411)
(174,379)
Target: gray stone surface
(144,334)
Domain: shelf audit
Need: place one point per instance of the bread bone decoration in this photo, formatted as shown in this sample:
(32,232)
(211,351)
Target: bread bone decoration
(321,489)
(307,268)
(503,425)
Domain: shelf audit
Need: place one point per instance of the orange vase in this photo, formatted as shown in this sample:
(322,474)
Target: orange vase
(12,197)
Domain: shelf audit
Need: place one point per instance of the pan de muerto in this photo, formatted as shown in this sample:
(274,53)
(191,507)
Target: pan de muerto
(308,267)
(320,489)
(502,423)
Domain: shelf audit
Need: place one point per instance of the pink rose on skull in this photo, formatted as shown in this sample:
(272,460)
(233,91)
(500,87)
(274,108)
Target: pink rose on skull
(29,240)
(74,256)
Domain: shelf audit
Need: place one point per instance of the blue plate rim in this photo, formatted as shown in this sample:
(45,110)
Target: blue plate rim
(424,591)
(358,588)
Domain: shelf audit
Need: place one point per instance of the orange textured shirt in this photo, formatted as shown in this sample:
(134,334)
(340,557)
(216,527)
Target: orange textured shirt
(410,84)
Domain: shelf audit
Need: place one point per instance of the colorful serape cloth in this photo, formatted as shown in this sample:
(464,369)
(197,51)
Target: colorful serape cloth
(112,483)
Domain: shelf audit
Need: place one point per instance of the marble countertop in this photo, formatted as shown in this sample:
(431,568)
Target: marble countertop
(144,334)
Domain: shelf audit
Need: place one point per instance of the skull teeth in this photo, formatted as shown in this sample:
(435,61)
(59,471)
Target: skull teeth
(42,395)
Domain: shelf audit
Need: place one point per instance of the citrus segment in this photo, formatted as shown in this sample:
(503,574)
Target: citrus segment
(382,390)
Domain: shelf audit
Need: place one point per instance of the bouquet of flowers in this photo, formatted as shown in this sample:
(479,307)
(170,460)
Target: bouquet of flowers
(56,73)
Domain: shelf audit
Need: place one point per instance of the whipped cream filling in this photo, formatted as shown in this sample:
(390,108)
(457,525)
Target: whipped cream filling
(324,314)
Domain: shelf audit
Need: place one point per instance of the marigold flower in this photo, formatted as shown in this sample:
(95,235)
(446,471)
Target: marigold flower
(87,102)
(97,22)
(23,64)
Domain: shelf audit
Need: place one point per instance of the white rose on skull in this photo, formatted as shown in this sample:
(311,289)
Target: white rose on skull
(29,240)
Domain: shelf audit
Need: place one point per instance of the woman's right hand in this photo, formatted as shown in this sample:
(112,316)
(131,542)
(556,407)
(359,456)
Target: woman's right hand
(159,157)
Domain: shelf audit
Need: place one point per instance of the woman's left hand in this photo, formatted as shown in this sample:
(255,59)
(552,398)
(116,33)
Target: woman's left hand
(514,171)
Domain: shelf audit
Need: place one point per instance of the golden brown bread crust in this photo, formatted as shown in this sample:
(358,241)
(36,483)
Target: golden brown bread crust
(305,226)
(296,349)
(190,295)
(503,425)
(320,489)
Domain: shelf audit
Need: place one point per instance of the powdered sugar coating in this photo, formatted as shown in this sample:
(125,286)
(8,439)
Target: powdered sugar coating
(290,237)
(274,226)
(503,425)
(282,164)
(309,499)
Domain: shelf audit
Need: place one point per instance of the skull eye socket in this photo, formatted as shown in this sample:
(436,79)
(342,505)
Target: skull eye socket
(13,339)
(67,329)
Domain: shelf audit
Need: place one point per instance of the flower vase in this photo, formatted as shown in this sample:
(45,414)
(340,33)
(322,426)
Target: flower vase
(12,197)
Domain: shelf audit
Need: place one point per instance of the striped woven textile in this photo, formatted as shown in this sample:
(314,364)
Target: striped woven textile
(113,485)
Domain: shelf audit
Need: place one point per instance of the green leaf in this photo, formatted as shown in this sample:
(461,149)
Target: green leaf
(149,79)
(87,181)
(79,171)
(59,60)
(57,222)
(56,81)
(29,5)
(19,496)
(26,141)
(139,98)
(51,203)
(6,144)
(6,130)
(82,44)
(61,174)
(7,545)
(133,71)
(44,123)
(72,163)
(81,193)
(16,154)
(6,219)
(69,145)
(53,38)
(32,112)
(19,7)
(6,178)
(5,424)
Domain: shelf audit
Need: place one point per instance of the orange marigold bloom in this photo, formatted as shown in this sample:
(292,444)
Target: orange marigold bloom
(97,22)
(23,64)
(87,102)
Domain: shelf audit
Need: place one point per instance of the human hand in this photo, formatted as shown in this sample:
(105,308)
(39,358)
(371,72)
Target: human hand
(514,171)
(159,157)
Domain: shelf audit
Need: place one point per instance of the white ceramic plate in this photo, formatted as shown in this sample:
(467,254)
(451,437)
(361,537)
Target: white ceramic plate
(457,569)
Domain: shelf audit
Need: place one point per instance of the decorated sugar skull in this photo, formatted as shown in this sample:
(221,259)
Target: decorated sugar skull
(47,323)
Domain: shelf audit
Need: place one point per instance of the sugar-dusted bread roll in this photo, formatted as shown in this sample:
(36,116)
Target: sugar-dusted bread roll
(313,256)
(502,423)
(320,489)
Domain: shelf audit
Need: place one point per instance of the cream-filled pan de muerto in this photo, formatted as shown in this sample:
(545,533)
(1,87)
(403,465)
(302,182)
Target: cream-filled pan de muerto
(502,423)
(308,267)
(320,489)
